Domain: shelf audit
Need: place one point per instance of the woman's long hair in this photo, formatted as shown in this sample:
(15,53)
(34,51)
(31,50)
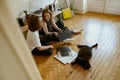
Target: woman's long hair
(46,11)
(33,23)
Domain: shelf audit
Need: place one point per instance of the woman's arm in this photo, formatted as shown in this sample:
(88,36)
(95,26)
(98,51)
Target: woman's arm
(45,29)
(55,26)
(44,47)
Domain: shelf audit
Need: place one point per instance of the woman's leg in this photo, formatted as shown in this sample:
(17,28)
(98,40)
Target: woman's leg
(46,52)
(45,39)
(60,24)
(76,31)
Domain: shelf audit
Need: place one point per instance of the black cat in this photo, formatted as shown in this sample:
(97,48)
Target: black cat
(84,55)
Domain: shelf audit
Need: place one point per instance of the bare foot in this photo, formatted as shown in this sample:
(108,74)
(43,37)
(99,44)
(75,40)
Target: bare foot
(78,31)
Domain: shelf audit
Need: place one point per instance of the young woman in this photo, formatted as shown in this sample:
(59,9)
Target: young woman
(33,39)
(50,27)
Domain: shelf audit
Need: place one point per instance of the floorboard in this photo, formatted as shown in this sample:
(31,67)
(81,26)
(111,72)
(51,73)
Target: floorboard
(103,29)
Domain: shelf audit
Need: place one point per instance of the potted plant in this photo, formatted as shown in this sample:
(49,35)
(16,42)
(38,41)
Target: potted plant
(65,4)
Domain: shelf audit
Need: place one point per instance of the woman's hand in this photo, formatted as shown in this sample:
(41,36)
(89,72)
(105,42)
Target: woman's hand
(45,47)
(55,33)
(51,46)
(60,30)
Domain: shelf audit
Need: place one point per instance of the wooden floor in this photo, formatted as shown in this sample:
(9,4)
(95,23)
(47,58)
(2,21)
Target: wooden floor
(97,28)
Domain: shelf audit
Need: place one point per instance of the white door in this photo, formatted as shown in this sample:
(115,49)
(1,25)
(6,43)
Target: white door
(112,6)
(96,5)
(105,6)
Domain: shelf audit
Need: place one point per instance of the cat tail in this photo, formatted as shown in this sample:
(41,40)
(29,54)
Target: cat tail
(95,45)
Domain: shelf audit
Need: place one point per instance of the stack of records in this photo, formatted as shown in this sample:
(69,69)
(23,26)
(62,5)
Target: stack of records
(64,51)
(65,54)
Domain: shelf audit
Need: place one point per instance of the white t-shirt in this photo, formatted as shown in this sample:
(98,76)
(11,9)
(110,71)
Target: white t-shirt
(33,39)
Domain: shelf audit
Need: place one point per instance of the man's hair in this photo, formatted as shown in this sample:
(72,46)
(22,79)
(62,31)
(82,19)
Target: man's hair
(33,23)
(46,10)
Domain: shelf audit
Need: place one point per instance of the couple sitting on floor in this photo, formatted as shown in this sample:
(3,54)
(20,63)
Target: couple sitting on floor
(42,32)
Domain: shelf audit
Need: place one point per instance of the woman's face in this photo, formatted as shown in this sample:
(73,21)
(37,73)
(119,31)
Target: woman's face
(47,16)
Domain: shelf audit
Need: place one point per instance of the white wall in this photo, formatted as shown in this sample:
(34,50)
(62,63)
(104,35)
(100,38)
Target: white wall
(17,6)
(37,4)
(16,61)
(85,6)
(81,6)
